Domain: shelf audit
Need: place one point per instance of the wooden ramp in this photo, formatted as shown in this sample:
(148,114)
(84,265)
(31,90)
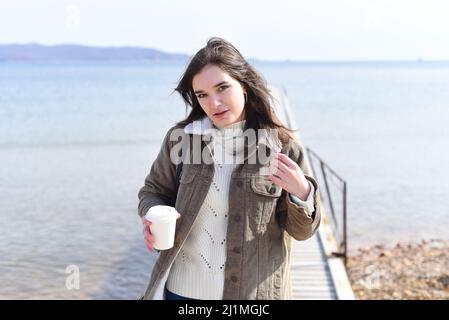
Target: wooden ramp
(315,273)
(310,273)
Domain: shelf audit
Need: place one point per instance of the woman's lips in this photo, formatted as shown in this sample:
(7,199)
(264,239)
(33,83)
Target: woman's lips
(220,114)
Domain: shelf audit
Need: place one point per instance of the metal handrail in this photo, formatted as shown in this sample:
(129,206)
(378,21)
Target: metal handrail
(282,109)
(342,242)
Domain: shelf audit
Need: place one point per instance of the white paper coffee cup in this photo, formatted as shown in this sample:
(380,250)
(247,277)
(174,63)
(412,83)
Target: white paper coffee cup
(163,226)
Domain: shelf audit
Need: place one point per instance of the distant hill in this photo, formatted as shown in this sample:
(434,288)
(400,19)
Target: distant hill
(36,52)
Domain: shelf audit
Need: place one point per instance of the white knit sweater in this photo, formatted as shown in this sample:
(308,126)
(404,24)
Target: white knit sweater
(198,270)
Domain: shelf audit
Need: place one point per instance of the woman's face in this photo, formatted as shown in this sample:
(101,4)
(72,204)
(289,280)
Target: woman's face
(220,95)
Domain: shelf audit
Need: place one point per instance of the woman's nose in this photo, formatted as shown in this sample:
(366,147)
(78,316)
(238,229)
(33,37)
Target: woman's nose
(215,102)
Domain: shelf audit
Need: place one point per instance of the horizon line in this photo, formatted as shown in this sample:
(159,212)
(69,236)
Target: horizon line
(286,60)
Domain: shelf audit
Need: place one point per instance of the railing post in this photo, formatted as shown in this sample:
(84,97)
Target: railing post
(345,227)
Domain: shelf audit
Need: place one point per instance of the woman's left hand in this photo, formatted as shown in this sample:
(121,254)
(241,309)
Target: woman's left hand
(288,175)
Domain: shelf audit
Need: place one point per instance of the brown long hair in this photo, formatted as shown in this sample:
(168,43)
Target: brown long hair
(257,110)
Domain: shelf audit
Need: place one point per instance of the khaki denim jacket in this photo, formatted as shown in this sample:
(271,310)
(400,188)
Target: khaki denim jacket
(262,221)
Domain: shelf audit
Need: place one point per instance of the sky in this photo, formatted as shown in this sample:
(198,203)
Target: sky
(312,30)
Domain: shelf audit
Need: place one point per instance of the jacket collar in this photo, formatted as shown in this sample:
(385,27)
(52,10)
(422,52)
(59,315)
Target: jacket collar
(204,126)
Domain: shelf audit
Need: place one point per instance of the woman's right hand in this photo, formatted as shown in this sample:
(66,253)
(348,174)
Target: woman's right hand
(148,237)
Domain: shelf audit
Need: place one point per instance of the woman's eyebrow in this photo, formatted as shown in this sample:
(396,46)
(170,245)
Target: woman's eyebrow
(217,85)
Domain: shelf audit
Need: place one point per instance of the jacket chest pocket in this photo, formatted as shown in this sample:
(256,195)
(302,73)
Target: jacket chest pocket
(264,195)
(186,186)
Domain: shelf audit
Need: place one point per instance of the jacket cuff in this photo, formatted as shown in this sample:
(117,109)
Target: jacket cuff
(308,204)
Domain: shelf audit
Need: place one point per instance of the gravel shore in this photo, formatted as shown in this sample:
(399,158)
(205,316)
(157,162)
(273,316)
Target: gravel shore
(404,271)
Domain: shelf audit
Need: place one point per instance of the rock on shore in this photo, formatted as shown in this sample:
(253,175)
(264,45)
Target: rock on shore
(404,271)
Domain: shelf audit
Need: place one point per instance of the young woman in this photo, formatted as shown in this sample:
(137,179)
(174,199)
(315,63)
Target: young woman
(236,221)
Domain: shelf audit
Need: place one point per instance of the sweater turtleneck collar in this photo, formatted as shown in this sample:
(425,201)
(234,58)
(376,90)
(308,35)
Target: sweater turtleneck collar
(232,130)
(228,140)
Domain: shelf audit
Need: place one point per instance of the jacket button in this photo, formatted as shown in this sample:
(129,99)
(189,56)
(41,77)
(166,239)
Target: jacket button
(234,278)
(237,250)
(239,183)
(237,218)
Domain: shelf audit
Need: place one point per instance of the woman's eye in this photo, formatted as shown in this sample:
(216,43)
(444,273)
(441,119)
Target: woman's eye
(220,89)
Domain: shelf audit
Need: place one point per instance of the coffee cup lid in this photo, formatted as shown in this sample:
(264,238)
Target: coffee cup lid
(161,213)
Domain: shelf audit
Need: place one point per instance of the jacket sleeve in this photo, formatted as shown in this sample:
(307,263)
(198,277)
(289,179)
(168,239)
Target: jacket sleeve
(160,182)
(299,222)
